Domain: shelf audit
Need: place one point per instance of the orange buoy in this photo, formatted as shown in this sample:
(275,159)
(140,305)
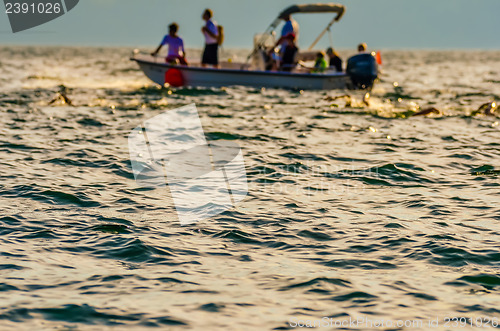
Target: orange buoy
(174,78)
(378,57)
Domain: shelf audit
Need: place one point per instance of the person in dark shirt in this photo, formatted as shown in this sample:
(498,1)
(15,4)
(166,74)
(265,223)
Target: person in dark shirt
(362,48)
(335,60)
(289,59)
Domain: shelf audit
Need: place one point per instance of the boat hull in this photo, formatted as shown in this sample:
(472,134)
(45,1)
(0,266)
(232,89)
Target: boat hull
(210,77)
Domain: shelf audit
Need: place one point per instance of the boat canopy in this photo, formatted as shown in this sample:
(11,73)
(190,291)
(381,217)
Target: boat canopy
(306,8)
(314,8)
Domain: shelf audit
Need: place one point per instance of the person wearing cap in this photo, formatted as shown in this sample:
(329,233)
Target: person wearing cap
(289,53)
(321,64)
(335,60)
(176,52)
(362,48)
(289,33)
(211,33)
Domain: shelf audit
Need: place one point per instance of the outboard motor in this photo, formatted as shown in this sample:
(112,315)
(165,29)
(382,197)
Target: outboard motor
(363,70)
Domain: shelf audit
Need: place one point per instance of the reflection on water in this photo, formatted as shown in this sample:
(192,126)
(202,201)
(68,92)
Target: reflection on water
(353,209)
(203,179)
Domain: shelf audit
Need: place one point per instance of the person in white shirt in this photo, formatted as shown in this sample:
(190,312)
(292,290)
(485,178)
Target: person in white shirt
(211,33)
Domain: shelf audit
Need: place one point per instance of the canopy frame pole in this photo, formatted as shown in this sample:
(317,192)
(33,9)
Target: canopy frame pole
(330,36)
(323,33)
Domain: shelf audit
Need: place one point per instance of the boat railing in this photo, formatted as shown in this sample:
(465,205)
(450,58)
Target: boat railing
(160,59)
(138,54)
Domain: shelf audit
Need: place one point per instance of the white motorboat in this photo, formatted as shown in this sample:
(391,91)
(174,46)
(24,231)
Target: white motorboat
(361,69)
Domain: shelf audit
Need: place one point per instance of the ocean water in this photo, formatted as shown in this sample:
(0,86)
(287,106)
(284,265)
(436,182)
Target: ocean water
(356,211)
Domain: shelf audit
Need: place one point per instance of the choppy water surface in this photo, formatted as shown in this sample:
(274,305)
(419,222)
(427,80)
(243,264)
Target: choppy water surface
(353,210)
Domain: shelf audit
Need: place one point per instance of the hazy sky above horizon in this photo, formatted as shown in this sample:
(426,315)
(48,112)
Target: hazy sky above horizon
(395,24)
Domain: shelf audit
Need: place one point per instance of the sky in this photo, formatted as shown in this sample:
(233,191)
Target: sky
(382,24)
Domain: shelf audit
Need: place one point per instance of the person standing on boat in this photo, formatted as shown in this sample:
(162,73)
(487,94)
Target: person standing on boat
(211,33)
(176,53)
(335,60)
(291,26)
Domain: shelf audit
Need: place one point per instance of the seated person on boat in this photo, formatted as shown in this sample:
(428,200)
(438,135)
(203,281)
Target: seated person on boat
(285,58)
(362,48)
(335,60)
(320,65)
(176,52)
(288,59)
